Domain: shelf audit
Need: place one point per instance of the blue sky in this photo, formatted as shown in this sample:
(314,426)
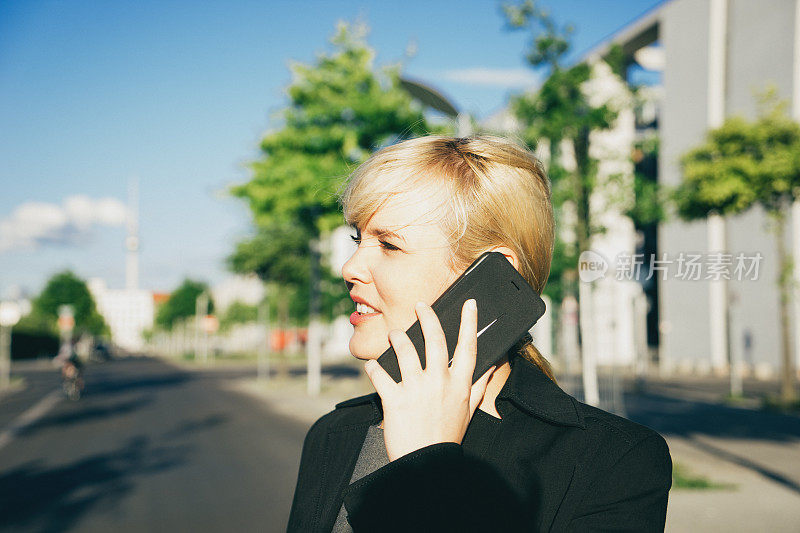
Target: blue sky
(178,94)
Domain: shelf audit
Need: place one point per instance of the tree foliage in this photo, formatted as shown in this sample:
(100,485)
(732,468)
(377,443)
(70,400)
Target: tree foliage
(647,204)
(182,303)
(277,253)
(743,163)
(340,110)
(65,288)
(560,110)
(238,313)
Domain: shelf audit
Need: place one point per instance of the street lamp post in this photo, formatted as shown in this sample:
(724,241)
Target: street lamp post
(66,322)
(263,346)
(201,310)
(9,316)
(430,97)
(314,337)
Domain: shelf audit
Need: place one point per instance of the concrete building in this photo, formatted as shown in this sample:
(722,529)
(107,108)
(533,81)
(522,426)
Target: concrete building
(713,55)
(128,312)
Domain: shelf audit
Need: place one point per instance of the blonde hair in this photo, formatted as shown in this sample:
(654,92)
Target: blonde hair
(494,193)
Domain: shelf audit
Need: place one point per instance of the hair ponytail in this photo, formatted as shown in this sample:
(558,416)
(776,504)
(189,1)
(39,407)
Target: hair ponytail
(527,350)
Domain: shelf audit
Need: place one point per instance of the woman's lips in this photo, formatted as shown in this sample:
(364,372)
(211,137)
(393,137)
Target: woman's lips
(356,318)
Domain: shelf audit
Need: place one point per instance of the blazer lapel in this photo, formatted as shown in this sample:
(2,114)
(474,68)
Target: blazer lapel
(342,447)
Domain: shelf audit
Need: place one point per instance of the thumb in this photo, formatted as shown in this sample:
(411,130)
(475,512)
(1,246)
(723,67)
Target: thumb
(478,390)
(383,383)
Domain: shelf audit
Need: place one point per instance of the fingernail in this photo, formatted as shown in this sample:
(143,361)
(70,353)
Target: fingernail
(471,304)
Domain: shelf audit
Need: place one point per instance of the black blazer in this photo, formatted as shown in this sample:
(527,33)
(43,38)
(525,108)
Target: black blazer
(551,464)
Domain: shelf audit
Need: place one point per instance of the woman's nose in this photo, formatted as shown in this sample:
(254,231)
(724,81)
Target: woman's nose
(355,269)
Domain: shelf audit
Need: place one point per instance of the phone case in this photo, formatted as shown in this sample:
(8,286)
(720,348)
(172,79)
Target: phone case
(507,308)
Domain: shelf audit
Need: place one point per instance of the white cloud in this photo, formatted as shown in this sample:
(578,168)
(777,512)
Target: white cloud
(34,224)
(497,77)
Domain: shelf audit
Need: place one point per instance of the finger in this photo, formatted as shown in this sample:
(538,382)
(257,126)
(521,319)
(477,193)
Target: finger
(407,357)
(478,390)
(383,382)
(467,347)
(435,342)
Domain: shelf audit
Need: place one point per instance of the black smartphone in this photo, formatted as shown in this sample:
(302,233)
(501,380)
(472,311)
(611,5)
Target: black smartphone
(507,308)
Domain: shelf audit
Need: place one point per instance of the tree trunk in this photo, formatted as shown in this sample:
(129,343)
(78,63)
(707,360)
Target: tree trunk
(313,339)
(788,393)
(582,189)
(591,389)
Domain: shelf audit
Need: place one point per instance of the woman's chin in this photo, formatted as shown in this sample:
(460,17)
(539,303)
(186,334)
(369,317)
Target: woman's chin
(364,351)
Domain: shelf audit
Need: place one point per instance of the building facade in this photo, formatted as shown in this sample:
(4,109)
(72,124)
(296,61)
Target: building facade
(716,55)
(128,312)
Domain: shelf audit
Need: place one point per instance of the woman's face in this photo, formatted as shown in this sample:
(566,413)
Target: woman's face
(402,259)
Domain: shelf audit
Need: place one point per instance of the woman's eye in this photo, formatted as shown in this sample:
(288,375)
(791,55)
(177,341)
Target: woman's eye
(385,245)
(388,246)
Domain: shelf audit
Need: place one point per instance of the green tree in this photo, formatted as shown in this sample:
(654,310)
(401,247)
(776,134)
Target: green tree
(560,111)
(340,110)
(65,288)
(743,163)
(238,313)
(182,303)
(648,204)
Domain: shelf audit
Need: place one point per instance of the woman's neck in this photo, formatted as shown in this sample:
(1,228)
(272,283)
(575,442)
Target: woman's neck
(496,382)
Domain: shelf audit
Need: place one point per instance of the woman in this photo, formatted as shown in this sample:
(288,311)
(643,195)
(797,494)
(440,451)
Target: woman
(512,452)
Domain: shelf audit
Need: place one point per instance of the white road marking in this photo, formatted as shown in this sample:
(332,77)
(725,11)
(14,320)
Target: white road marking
(29,417)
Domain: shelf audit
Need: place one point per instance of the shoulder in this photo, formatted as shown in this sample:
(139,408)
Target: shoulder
(612,428)
(623,478)
(619,443)
(346,415)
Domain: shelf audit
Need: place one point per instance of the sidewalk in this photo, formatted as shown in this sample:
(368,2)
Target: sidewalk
(286,393)
(755,503)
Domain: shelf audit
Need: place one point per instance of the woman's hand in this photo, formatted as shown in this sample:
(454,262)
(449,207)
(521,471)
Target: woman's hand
(436,404)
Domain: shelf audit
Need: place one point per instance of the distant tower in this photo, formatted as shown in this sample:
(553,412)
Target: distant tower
(132,241)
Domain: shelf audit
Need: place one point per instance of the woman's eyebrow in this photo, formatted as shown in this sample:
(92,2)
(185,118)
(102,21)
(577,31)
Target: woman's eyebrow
(381,232)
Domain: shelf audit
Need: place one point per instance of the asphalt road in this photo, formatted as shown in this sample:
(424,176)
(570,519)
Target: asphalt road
(150,447)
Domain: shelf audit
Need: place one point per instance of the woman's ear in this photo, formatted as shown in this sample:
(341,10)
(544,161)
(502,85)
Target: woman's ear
(510,255)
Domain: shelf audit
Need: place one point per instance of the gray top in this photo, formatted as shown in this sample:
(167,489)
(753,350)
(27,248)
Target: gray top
(372,457)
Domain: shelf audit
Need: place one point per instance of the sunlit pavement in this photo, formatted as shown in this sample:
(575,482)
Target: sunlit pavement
(757,453)
(150,447)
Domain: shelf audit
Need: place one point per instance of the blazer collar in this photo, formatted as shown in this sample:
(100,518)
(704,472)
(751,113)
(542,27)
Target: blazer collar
(527,388)
(372,413)
(532,392)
